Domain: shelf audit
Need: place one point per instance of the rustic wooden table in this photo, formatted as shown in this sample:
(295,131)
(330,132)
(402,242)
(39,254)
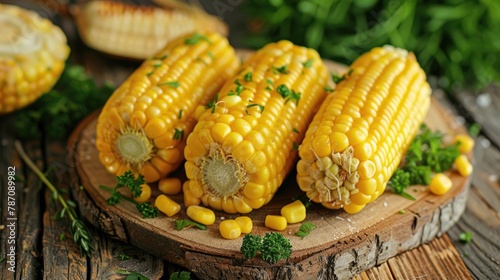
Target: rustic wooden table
(40,252)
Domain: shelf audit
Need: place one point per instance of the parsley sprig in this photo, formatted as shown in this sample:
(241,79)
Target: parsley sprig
(288,94)
(128,180)
(425,155)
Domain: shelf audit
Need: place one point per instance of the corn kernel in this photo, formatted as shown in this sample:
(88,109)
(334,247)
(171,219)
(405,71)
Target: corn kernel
(245,224)
(440,184)
(294,212)
(170,186)
(145,194)
(201,214)
(276,222)
(465,143)
(463,166)
(167,205)
(229,229)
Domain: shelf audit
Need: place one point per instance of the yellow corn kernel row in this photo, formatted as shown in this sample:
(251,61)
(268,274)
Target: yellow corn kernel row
(144,125)
(362,130)
(138,32)
(244,144)
(32,55)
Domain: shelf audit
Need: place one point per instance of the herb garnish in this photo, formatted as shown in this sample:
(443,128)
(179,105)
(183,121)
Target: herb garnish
(80,232)
(182,223)
(196,38)
(174,84)
(288,94)
(305,229)
(308,63)
(129,181)
(178,134)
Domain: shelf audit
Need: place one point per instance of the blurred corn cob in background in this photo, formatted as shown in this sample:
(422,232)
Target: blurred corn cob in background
(144,124)
(139,32)
(361,132)
(32,56)
(245,142)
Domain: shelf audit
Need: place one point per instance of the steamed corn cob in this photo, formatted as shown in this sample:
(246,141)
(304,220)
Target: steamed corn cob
(138,32)
(244,143)
(144,124)
(32,55)
(362,130)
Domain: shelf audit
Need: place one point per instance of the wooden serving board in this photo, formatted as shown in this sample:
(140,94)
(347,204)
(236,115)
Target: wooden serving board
(342,245)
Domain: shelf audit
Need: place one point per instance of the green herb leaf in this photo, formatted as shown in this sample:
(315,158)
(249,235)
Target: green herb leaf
(196,38)
(179,116)
(474,129)
(283,69)
(308,63)
(251,245)
(295,130)
(295,146)
(174,84)
(124,257)
(180,275)
(402,211)
(465,237)
(261,108)
(147,210)
(304,199)
(305,229)
(211,55)
(178,134)
(212,104)
(275,247)
(182,223)
(248,77)
(328,89)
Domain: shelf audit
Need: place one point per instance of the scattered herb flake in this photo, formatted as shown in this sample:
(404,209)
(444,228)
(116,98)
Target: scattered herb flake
(295,146)
(248,77)
(295,130)
(182,223)
(283,69)
(402,211)
(179,116)
(305,229)
(270,82)
(161,57)
(212,104)
(156,65)
(308,63)
(304,199)
(124,257)
(149,74)
(474,129)
(465,237)
(328,89)
(196,38)
(201,60)
(211,55)
(261,108)
(178,134)
(268,88)
(174,84)
(180,275)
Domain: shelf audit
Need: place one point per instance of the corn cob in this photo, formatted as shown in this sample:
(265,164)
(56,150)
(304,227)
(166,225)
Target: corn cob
(245,141)
(360,134)
(143,125)
(138,32)
(32,55)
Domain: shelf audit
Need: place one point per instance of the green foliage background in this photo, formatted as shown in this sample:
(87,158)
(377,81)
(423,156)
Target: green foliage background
(458,40)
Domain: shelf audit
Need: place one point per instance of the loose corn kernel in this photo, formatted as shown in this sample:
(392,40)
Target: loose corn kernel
(440,184)
(276,222)
(465,143)
(201,215)
(463,166)
(145,194)
(294,212)
(170,185)
(167,205)
(229,229)
(245,224)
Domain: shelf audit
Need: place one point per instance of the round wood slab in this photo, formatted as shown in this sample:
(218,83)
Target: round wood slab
(341,246)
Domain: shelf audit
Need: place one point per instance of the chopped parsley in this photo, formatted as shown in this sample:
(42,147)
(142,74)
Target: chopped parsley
(248,77)
(308,63)
(173,84)
(305,229)
(261,108)
(288,94)
(283,69)
(179,134)
(196,38)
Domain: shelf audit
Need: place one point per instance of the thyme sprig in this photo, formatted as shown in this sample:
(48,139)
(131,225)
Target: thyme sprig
(79,230)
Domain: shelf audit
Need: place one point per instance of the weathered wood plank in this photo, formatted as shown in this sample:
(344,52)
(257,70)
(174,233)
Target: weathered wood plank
(483,108)
(482,217)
